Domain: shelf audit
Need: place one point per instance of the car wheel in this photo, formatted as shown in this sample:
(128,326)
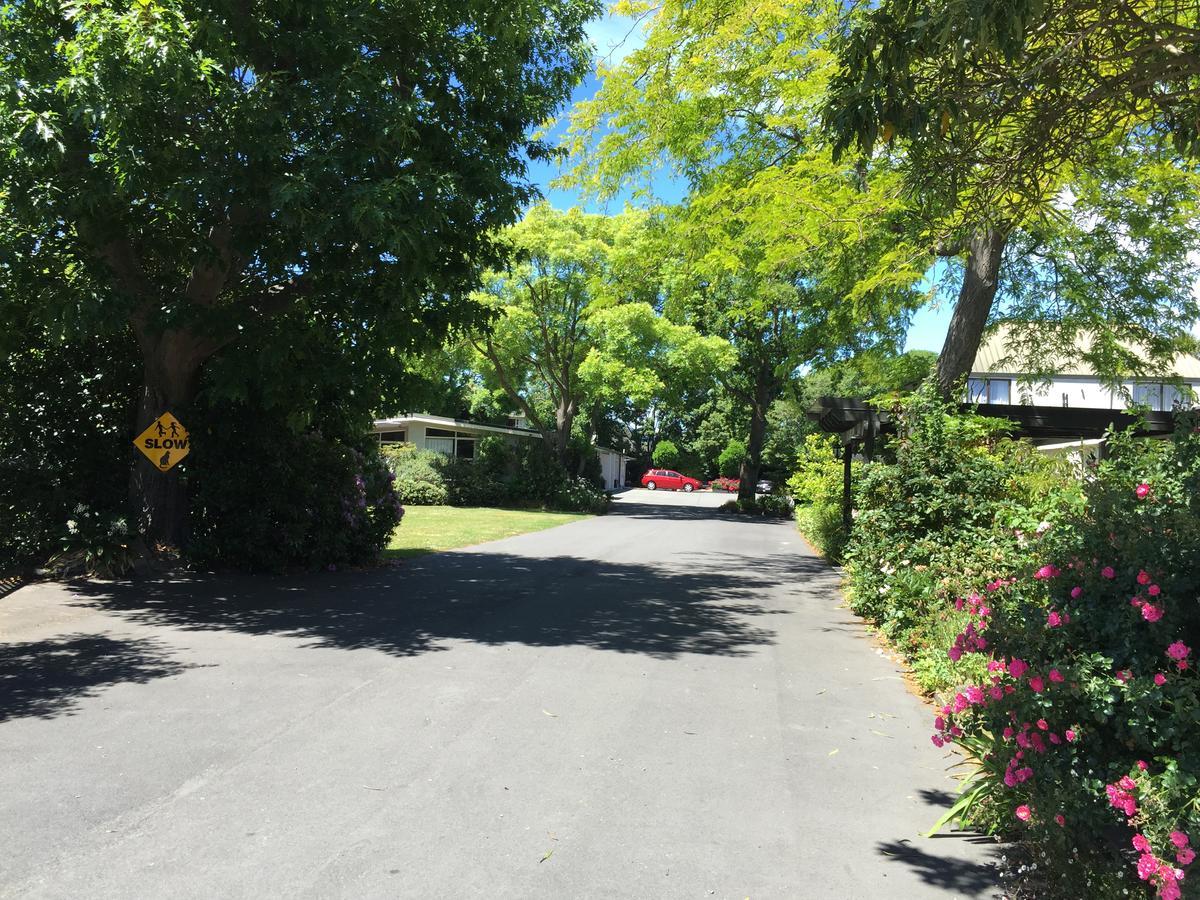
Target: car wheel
(687,488)
(651,485)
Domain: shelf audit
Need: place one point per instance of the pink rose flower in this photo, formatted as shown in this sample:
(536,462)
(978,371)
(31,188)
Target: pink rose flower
(1179,650)
(1037,684)
(1142,491)
(1054,620)
(1178,838)
(1143,577)
(1060,820)
(1069,735)
(1143,765)
(1140,843)
(1046,572)
(1017,668)
(1160,679)
(1151,612)
(1154,590)
(1024,813)
(1056,676)
(1108,572)
(1185,856)
(1147,866)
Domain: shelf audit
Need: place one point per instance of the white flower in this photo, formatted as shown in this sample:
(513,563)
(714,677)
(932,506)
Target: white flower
(1043,526)
(72,526)
(80,509)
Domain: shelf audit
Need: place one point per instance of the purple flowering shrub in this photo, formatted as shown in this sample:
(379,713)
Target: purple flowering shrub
(1085,723)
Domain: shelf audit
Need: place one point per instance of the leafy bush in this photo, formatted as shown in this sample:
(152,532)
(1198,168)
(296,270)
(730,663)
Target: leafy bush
(578,495)
(959,505)
(65,417)
(729,485)
(816,486)
(418,475)
(301,500)
(1056,618)
(502,474)
(729,463)
(666,455)
(96,543)
(768,506)
(1087,724)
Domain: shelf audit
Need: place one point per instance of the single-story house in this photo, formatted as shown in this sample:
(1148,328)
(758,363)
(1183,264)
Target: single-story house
(994,380)
(459,437)
(453,437)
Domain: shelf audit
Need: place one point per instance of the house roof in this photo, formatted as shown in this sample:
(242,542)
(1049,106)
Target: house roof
(994,358)
(855,420)
(398,422)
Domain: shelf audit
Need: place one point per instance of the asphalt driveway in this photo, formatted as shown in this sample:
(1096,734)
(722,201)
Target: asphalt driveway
(663,702)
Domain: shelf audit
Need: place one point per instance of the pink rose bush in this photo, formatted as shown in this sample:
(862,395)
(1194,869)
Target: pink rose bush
(1092,708)
(1061,657)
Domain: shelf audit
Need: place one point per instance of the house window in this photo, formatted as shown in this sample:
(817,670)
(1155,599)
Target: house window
(989,390)
(393,437)
(976,390)
(1150,395)
(1181,396)
(452,443)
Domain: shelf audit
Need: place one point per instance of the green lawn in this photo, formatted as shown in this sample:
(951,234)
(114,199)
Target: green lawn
(427,529)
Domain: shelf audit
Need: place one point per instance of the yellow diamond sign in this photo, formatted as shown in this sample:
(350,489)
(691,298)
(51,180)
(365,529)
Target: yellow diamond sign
(165,442)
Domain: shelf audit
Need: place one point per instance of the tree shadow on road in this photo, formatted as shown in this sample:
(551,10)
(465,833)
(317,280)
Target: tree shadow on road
(958,877)
(488,598)
(47,678)
(634,509)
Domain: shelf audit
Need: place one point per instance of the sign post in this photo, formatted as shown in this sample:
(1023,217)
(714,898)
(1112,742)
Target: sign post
(165,442)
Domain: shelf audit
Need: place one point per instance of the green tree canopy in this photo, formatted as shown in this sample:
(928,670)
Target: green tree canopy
(954,81)
(575,327)
(791,255)
(189,170)
(1035,135)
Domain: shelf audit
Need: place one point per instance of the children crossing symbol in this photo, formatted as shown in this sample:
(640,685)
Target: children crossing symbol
(165,442)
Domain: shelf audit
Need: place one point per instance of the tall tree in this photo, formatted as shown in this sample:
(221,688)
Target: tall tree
(793,256)
(950,84)
(575,325)
(186,170)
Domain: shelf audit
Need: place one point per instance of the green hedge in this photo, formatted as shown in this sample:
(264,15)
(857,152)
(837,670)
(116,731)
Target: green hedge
(500,475)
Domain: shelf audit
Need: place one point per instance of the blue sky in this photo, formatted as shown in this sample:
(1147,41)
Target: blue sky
(614,39)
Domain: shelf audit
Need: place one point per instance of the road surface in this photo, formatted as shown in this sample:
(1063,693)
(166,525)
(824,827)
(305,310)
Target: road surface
(662,702)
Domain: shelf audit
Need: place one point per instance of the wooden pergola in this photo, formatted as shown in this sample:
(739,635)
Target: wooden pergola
(858,424)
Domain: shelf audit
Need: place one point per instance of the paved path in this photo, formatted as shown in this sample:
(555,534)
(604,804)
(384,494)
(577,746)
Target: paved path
(659,703)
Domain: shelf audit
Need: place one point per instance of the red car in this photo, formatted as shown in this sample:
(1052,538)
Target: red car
(669,480)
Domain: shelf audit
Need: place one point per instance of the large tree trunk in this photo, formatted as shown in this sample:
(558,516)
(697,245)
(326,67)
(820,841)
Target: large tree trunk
(171,375)
(980,281)
(564,419)
(752,463)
